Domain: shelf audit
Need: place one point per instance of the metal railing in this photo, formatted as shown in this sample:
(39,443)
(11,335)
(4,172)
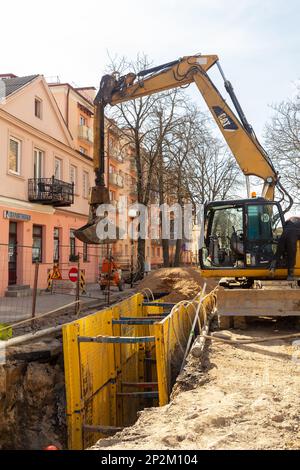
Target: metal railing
(50,191)
(116,155)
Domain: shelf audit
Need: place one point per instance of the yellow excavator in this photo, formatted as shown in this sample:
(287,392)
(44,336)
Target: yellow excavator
(241,235)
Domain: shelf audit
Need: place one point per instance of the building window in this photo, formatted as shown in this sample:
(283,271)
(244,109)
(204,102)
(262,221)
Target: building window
(38,108)
(73,175)
(85,184)
(153,251)
(158,252)
(38,162)
(126,249)
(82,121)
(112,196)
(14,159)
(37,243)
(56,245)
(85,253)
(72,256)
(82,150)
(148,251)
(57,168)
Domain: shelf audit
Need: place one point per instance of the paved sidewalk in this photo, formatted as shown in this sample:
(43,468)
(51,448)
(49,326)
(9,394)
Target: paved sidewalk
(20,308)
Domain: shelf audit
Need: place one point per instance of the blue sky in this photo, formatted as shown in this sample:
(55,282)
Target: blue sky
(257,41)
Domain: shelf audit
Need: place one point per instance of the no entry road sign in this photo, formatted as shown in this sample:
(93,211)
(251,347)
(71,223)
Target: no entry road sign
(73,274)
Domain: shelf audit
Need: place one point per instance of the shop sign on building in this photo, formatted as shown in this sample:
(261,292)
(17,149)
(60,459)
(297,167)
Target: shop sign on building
(16,216)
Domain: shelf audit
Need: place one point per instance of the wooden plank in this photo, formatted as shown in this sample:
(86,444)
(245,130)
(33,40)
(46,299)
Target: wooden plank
(258,302)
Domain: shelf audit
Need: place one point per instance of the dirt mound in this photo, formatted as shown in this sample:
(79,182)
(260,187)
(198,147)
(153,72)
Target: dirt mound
(181,283)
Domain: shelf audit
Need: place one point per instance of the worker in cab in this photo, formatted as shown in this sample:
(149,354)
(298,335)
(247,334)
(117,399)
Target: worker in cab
(287,246)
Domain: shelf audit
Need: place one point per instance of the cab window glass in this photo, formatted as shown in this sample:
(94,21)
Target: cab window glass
(264,222)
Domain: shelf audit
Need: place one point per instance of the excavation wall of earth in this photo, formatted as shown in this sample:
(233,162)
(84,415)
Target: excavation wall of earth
(32,396)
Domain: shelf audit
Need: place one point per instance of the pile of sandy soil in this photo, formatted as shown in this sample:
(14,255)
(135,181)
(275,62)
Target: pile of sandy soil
(181,283)
(237,398)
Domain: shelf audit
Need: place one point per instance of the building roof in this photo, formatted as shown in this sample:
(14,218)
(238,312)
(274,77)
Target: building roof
(78,91)
(15,83)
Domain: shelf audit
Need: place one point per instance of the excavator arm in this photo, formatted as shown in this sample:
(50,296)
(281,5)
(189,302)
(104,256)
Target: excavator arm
(238,134)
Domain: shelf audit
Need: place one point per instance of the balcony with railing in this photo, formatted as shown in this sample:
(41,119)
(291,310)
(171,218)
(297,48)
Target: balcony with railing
(86,133)
(50,191)
(116,179)
(115,154)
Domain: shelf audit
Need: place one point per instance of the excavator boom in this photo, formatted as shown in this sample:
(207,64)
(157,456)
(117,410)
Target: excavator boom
(240,235)
(236,131)
(239,136)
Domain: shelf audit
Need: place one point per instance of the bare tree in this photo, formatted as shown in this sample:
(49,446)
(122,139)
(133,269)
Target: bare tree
(198,166)
(144,122)
(176,155)
(166,115)
(282,140)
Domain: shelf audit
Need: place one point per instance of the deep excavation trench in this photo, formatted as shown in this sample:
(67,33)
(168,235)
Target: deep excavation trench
(244,397)
(32,397)
(32,384)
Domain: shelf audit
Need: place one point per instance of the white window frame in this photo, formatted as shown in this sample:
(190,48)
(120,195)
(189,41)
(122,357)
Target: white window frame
(18,172)
(59,160)
(75,176)
(85,184)
(37,151)
(82,120)
(40,115)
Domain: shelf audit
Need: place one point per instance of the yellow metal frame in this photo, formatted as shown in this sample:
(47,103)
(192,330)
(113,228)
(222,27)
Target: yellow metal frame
(95,373)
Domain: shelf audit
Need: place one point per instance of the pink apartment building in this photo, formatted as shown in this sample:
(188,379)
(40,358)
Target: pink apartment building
(44,178)
(46,148)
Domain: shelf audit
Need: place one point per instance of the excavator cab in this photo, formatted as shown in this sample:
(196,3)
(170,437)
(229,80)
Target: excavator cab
(241,234)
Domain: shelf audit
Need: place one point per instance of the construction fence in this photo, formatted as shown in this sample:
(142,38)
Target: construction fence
(122,359)
(32,289)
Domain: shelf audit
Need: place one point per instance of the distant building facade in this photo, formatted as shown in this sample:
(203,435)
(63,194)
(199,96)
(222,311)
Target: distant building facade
(46,151)
(44,180)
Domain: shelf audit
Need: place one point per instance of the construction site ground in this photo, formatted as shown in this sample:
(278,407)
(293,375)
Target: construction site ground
(233,397)
(244,397)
